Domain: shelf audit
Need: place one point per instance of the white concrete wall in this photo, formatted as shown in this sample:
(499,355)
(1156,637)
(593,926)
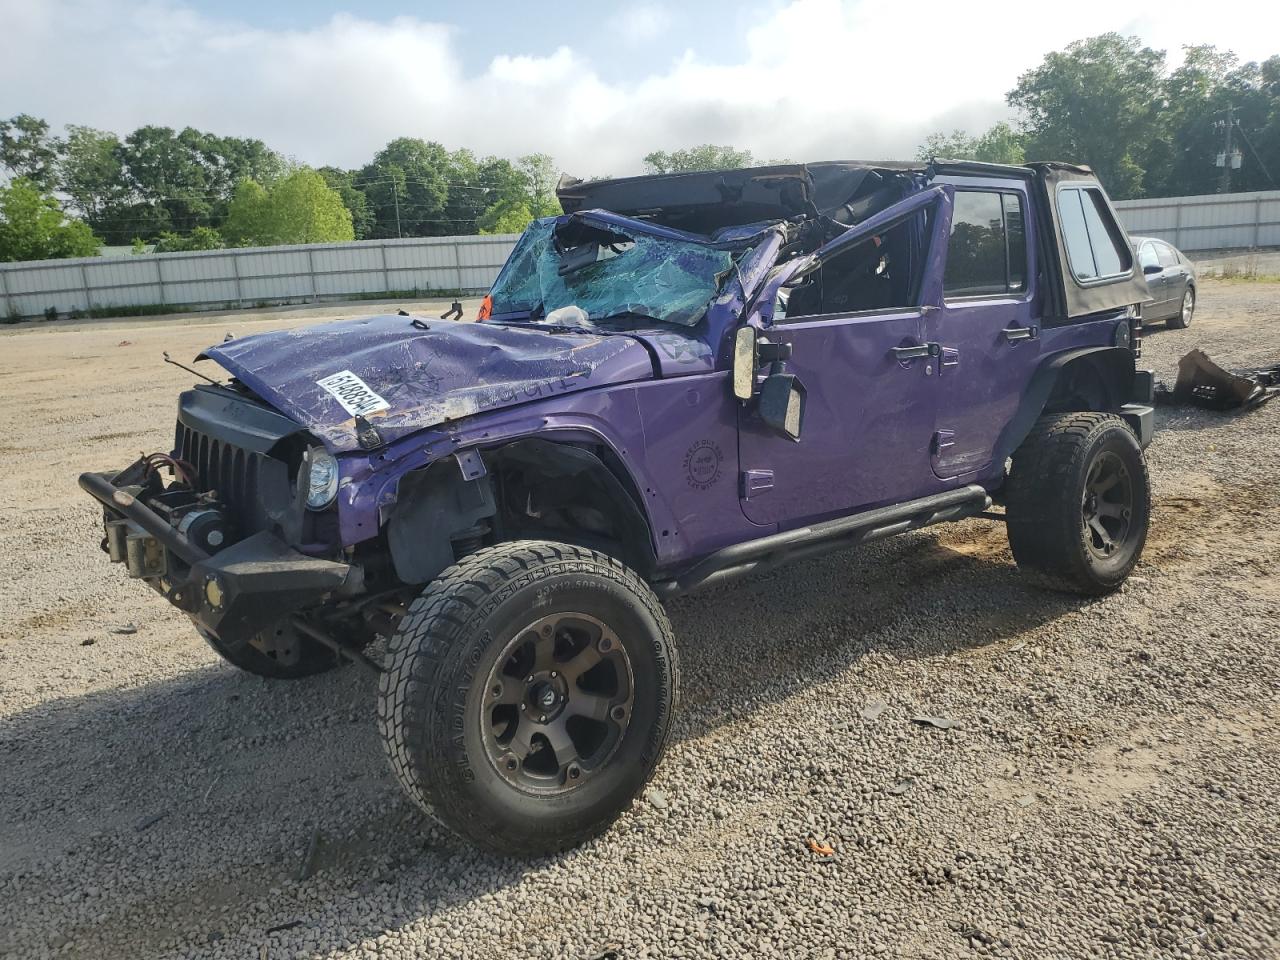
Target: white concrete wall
(1213,222)
(253,275)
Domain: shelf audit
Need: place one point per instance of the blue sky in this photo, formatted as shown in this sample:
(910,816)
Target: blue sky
(596,85)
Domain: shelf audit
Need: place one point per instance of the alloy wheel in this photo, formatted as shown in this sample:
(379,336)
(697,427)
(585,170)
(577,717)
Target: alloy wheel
(557,703)
(1107,506)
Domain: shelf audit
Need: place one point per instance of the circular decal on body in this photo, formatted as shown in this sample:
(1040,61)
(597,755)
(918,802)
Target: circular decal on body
(702,464)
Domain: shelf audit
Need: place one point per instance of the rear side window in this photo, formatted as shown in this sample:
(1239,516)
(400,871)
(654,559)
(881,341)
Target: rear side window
(1147,255)
(1095,249)
(987,250)
(1168,256)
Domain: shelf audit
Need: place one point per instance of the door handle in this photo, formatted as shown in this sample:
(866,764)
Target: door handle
(1020,333)
(916,351)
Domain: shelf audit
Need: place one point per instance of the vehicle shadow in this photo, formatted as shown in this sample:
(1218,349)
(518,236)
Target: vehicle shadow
(211,791)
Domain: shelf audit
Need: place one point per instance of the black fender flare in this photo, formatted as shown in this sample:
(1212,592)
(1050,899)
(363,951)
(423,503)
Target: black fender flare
(1116,364)
(573,462)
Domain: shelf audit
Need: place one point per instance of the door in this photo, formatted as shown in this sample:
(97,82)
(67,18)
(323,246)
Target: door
(987,328)
(855,328)
(1157,283)
(1173,276)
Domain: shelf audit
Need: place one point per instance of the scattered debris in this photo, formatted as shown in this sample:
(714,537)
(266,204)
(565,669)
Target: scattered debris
(216,780)
(125,343)
(150,822)
(278,928)
(820,848)
(1026,800)
(88,642)
(941,723)
(304,869)
(657,799)
(873,710)
(125,630)
(1203,383)
(901,787)
(612,952)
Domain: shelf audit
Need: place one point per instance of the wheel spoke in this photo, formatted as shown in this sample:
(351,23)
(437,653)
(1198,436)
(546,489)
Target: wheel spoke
(588,705)
(557,734)
(1095,524)
(509,690)
(1108,509)
(1103,484)
(522,743)
(544,651)
(581,662)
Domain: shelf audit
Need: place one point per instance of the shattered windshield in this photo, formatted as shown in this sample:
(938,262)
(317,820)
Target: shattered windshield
(609,274)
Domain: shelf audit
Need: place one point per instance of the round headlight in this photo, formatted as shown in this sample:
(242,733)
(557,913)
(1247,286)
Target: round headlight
(322,478)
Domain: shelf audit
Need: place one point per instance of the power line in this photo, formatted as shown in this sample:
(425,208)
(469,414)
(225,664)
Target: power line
(1254,151)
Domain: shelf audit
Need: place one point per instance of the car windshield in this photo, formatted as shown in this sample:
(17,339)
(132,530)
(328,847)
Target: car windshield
(609,274)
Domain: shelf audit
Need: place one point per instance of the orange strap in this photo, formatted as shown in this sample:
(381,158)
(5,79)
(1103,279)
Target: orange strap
(486,308)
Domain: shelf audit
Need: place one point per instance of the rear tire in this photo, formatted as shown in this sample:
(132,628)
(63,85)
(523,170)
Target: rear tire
(1182,319)
(279,652)
(529,694)
(1078,502)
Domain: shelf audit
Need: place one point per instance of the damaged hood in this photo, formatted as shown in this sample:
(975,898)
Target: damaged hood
(403,378)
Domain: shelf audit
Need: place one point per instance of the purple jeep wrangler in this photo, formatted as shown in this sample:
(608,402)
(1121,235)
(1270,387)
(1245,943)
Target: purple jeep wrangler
(684,379)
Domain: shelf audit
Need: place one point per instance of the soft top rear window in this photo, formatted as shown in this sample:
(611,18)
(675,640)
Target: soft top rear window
(1095,248)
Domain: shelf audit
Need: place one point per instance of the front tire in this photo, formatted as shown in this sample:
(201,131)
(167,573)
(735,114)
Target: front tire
(1078,502)
(529,695)
(1182,319)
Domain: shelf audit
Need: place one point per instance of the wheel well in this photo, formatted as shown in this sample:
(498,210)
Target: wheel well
(1091,379)
(1099,381)
(573,493)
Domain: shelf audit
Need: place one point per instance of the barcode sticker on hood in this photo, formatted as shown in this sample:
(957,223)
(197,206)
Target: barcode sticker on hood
(353,393)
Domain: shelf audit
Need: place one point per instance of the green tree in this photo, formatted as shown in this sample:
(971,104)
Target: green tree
(506,216)
(708,156)
(353,198)
(298,208)
(33,226)
(540,179)
(91,174)
(1000,144)
(247,215)
(406,184)
(201,238)
(27,150)
(1096,102)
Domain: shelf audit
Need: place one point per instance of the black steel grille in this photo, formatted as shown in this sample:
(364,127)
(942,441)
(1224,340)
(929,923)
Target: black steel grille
(235,474)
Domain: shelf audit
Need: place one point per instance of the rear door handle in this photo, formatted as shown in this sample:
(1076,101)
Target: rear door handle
(1021,333)
(916,351)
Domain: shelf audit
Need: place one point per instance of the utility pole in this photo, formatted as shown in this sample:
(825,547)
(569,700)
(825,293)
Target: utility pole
(395,195)
(1228,144)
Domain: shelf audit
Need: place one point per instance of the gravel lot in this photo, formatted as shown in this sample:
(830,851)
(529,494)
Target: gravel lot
(1111,787)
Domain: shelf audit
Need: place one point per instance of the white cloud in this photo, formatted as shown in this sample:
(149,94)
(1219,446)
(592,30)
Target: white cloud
(818,78)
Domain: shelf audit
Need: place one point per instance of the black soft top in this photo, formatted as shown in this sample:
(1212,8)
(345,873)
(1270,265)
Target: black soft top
(706,201)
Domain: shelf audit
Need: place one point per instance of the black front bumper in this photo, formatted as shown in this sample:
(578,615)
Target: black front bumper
(234,593)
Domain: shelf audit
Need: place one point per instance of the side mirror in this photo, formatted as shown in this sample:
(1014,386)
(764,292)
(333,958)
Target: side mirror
(1151,268)
(782,401)
(746,360)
